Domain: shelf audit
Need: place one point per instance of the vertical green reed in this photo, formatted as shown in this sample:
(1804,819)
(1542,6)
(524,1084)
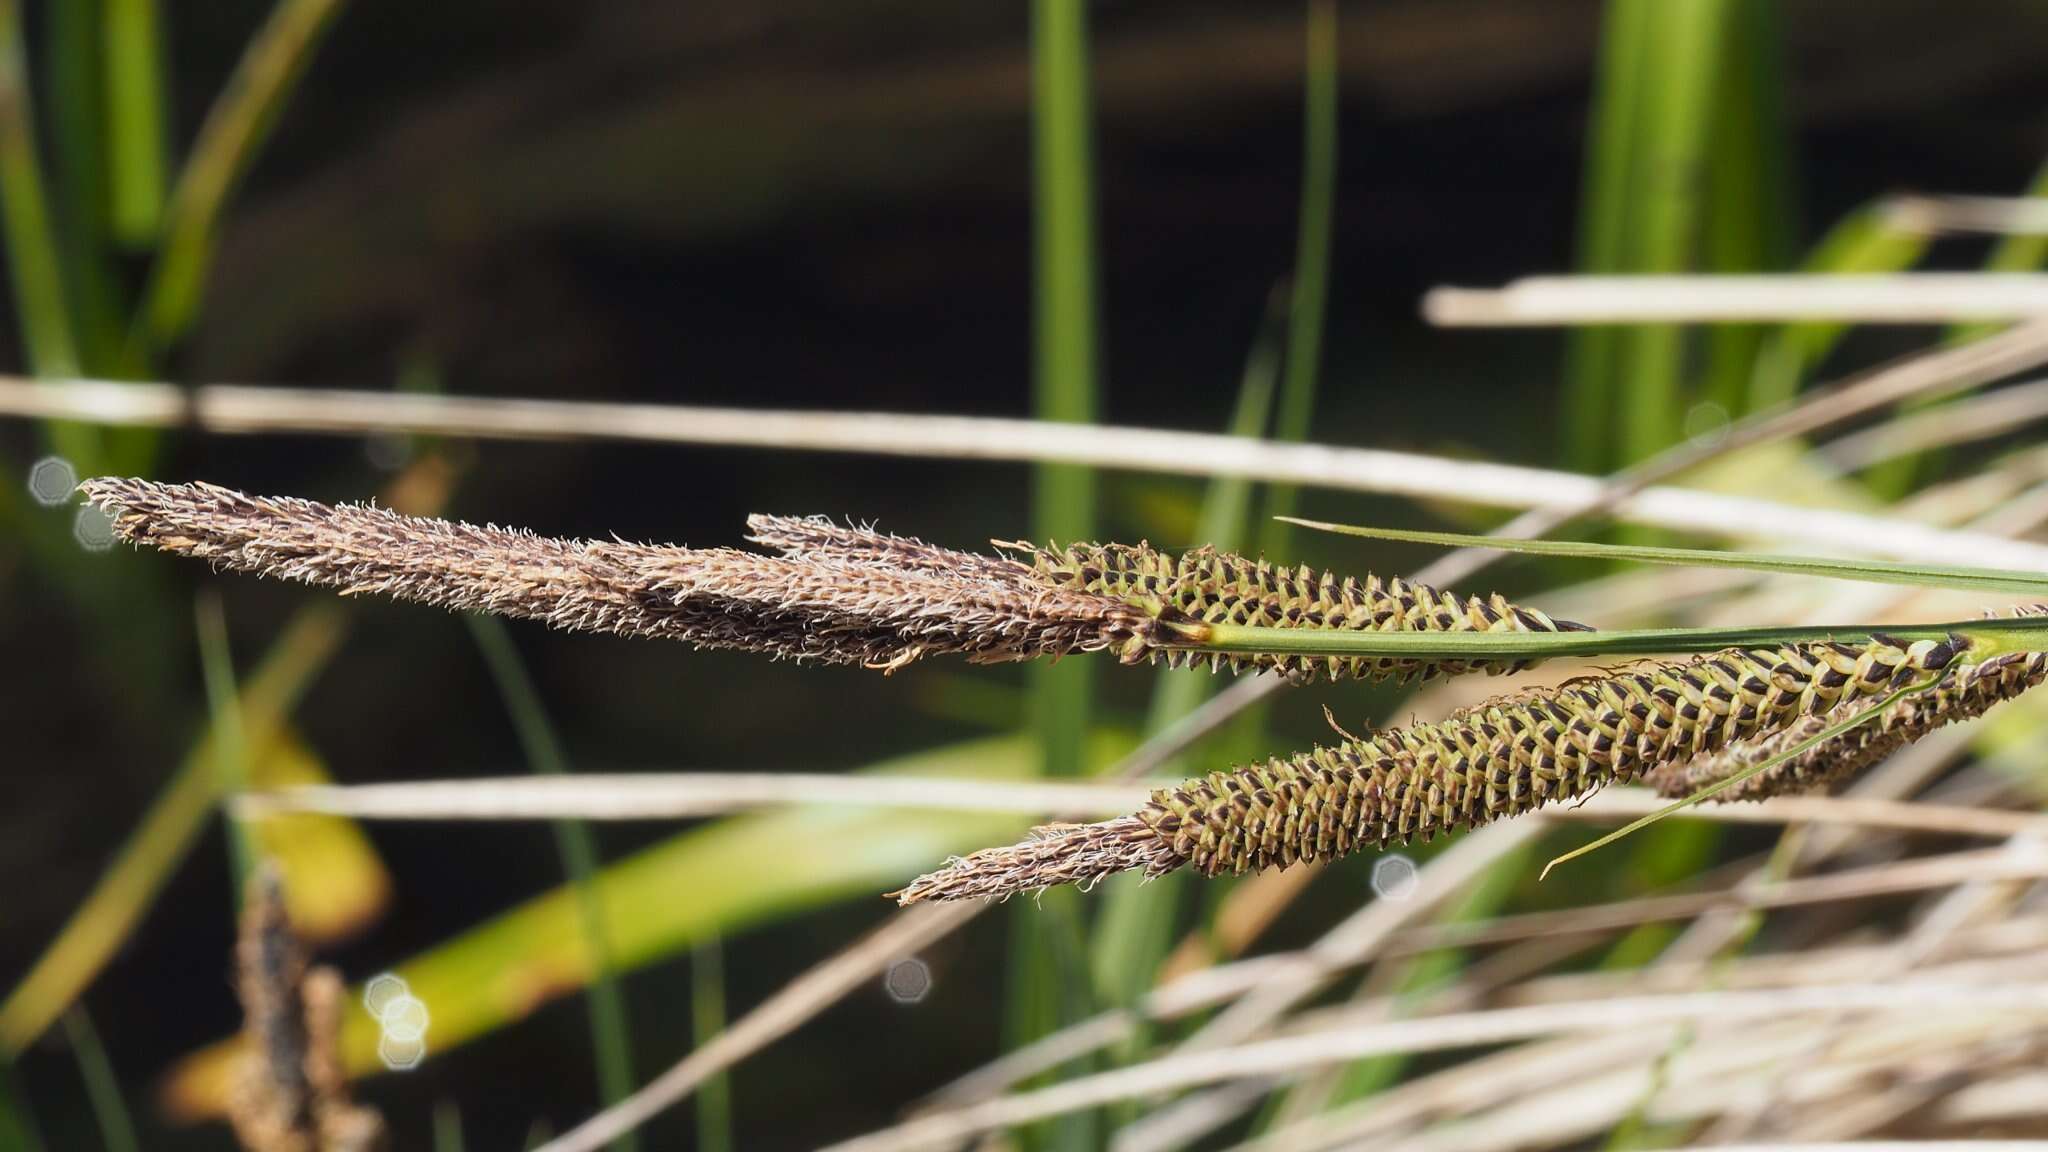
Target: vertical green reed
(230,738)
(17,1125)
(577,847)
(1749,220)
(707,1019)
(1048,977)
(447,1127)
(135,119)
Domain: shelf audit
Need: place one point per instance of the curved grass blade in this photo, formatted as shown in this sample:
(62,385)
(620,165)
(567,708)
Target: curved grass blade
(1817,739)
(1950,576)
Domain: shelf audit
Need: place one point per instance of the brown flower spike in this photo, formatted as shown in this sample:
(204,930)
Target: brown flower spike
(836,594)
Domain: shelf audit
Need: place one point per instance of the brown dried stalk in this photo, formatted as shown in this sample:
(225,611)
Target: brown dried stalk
(1479,765)
(836,594)
(291,1094)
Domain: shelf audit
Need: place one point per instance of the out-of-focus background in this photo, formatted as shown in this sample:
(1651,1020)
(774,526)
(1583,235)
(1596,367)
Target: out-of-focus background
(791,206)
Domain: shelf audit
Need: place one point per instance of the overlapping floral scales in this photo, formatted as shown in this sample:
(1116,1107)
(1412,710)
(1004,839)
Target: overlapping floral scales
(1964,692)
(1224,588)
(1482,764)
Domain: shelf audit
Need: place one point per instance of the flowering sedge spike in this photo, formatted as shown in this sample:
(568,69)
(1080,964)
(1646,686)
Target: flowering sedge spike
(1964,692)
(837,593)
(1221,588)
(1481,764)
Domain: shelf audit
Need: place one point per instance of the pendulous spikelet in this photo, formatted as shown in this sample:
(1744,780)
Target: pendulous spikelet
(1964,692)
(1479,765)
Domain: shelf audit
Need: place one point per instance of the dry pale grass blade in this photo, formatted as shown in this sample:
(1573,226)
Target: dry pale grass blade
(2008,1004)
(672,796)
(1990,215)
(241,409)
(1900,298)
(1962,421)
(1917,875)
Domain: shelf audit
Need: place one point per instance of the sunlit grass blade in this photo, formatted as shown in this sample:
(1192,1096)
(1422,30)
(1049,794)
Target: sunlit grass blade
(1864,571)
(1826,734)
(230,742)
(97,929)
(235,128)
(1310,289)
(102,1087)
(1748,217)
(1606,204)
(576,845)
(135,119)
(1681,66)
(721,879)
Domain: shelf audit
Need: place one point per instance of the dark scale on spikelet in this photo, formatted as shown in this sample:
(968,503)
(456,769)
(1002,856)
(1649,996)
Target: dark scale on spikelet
(1509,757)
(1964,692)
(1223,588)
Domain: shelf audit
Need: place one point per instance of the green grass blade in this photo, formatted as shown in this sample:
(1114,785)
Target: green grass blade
(2028,634)
(1861,718)
(230,744)
(235,130)
(707,1019)
(1311,287)
(102,1087)
(447,1127)
(135,119)
(78,165)
(17,1124)
(31,235)
(1064,497)
(1673,129)
(1862,570)
(1606,204)
(578,849)
(1748,210)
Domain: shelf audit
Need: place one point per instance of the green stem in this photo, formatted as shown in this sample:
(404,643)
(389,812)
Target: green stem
(1988,637)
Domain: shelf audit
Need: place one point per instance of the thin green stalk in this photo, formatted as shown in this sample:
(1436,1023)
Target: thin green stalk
(447,1127)
(135,119)
(235,129)
(1988,636)
(1607,201)
(79,170)
(17,1124)
(578,850)
(231,745)
(33,262)
(102,1087)
(1136,925)
(1064,497)
(707,1020)
(1311,285)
